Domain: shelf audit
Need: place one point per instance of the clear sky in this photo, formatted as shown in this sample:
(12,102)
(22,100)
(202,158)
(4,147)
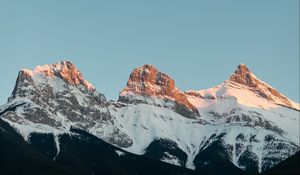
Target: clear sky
(199,43)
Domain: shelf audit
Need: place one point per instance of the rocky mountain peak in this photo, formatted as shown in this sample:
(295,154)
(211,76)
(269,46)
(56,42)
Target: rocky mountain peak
(149,81)
(244,76)
(65,70)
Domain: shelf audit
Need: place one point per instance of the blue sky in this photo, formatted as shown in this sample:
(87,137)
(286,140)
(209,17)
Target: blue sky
(198,43)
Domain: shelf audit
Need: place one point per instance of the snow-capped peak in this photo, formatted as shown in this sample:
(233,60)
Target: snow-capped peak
(64,70)
(246,78)
(242,116)
(248,90)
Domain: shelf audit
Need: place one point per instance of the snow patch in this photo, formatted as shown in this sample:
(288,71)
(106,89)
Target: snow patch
(57,144)
(168,158)
(120,153)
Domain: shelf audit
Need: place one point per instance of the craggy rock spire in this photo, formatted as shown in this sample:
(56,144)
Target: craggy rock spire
(244,76)
(149,81)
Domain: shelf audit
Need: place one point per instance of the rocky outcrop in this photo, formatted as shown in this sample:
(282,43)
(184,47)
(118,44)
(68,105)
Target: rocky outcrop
(244,76)
(148,81)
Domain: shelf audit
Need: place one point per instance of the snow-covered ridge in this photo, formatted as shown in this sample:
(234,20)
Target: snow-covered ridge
(242,106)
(246,89)
(240,114)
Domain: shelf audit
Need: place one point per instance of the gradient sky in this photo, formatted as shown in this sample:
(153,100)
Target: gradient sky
(198,43)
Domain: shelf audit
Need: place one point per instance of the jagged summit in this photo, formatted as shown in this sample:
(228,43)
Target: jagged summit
(248,90)
(148,81)
(65,70)
(244,76)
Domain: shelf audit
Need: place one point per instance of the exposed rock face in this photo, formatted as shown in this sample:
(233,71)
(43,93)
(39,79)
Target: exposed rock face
(244,76)
(57,96)
(65,70)
(150,82)
(147,80)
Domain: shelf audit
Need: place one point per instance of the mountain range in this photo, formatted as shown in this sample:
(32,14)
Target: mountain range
(56,122)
